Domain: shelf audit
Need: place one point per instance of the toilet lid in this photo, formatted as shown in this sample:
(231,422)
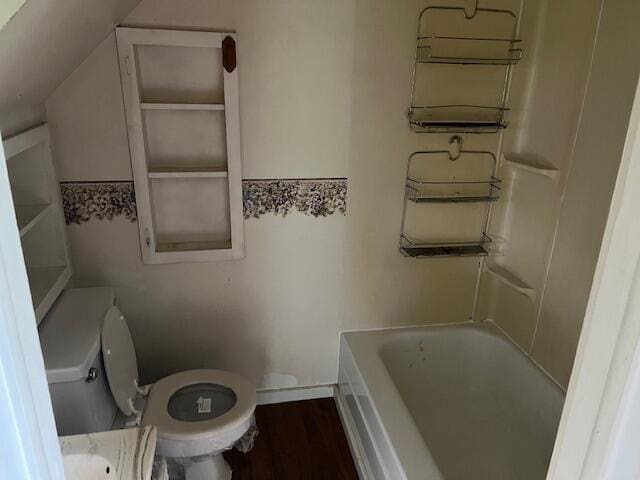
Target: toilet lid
(119,360)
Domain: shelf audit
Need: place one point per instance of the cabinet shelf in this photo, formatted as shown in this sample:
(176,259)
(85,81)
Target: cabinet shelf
(46,283)
(510,280)
(196,246)
(29,215)
(181,106)
(531,166)
(187,172)
(39,216)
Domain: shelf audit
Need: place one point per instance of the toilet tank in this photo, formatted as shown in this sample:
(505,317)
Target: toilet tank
(70,337)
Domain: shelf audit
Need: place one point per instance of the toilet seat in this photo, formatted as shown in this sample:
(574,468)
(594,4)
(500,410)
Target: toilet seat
(156,411)
(180,439)
(176,438)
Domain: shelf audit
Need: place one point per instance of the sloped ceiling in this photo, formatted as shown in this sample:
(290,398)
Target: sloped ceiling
(46,40)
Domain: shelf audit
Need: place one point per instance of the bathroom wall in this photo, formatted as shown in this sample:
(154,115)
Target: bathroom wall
(383,287)
(551,231)
(324,89)
(275,315)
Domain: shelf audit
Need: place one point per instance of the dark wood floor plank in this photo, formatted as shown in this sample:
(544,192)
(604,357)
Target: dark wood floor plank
(297,440)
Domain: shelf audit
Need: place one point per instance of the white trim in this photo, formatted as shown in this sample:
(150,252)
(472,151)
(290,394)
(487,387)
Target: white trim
(28,432)
(283,395)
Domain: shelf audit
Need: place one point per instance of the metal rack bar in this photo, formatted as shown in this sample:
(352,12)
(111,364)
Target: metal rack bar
(424,55)
(425,48)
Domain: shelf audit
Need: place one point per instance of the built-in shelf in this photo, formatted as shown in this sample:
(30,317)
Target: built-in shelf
(187,172)
(39,215)
(181,106)
(193,246)
(46,283)
(184,138)
(510,280)
(531,166)
(29,215)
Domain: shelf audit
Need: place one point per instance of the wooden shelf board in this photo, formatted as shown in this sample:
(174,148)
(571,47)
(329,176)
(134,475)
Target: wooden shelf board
(531,166)
(46,283)
(182,106)
(29,215)
(196,246)
(508,278)
(187,172)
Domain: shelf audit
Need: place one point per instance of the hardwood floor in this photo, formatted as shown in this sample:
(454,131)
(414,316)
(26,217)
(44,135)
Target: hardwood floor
(297,440)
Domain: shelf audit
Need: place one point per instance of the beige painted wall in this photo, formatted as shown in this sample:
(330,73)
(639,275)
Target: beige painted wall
(8,9)
(383,287)
(309,108)
(275,315)
(42,44)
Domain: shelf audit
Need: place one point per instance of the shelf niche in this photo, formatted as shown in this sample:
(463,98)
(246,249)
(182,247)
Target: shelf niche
(531,166)
(39,216)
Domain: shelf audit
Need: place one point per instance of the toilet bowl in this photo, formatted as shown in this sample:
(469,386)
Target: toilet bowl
(198,413)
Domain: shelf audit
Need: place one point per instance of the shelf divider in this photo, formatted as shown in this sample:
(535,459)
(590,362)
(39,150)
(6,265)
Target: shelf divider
(181,106)
(29,215)
(187,172)
(531,166)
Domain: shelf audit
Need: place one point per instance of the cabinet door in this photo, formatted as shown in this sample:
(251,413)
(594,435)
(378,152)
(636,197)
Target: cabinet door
(181,101)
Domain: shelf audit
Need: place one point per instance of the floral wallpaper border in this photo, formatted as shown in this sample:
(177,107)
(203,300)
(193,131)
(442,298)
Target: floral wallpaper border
(318,197)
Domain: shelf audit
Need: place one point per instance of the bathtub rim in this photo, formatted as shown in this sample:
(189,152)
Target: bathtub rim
(373,368)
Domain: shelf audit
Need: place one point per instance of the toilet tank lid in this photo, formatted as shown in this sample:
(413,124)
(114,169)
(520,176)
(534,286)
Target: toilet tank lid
(70,332)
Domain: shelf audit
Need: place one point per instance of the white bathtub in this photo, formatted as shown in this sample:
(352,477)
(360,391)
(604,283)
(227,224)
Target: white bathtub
(452,402)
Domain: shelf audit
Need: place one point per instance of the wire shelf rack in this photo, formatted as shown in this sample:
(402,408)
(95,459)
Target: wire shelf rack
(467,46)
(442,184)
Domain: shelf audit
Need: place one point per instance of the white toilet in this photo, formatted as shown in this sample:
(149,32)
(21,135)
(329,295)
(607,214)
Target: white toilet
(198,413)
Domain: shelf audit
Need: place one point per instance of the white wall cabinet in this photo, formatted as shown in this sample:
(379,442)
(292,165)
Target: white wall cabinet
(181,101)
(38,206)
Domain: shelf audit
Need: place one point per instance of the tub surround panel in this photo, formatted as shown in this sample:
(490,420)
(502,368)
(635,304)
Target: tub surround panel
(573,119)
